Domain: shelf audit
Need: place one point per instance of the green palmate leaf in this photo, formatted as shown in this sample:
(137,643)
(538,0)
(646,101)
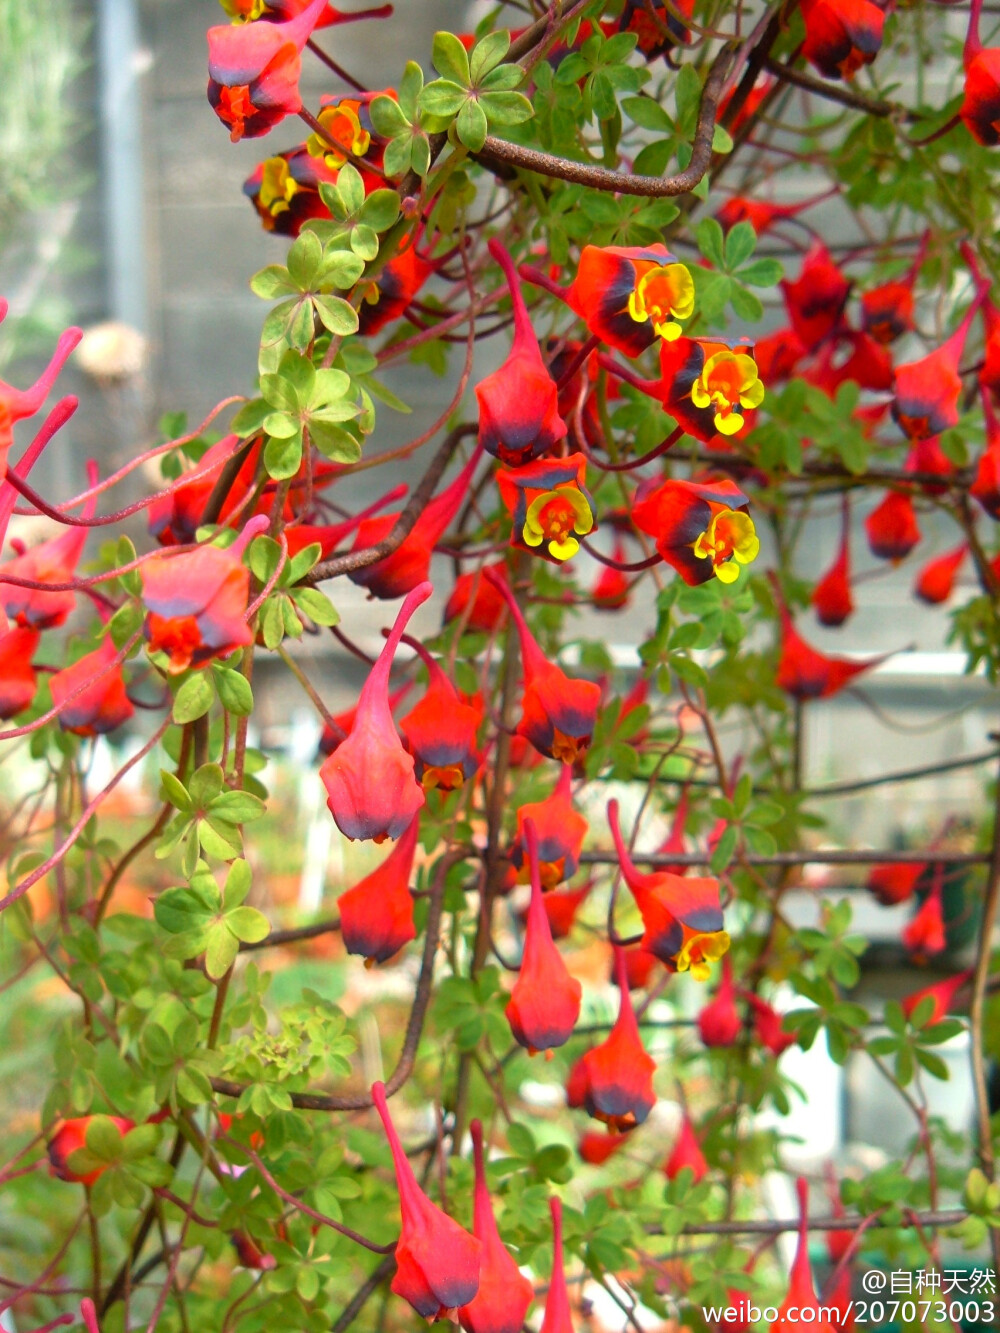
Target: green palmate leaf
(248,925)
(336,315)
(234,691)
(721,140)
(761,273)
(745,305)
(486,55)
(305,260)
(443,97)
(181,910)
(249,419)
(236,807)
(338,445)
(472,126)
(387,116)
(687,94)
(451,58)
(364,242)
(398,157)
(272,282)
(237,886)
(380,210)
(264,557)
(341,268)
(174,791)
(316,605)
(504,108)
(193,699)
(221,950)
(647,112)
(741,241)
(711,242)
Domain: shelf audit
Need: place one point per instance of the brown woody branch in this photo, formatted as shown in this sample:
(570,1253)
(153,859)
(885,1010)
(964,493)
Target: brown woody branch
(833,93)
(498,151)
(417,503)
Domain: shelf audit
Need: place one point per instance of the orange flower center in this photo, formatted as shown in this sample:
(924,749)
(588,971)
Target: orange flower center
(447,778)
(177,636)
(556,518)
(568,749)
(234,108)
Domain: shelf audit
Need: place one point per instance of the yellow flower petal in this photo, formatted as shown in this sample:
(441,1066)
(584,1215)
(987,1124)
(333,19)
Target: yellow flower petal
(728,423)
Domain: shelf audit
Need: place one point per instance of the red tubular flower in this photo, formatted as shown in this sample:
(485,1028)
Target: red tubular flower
(17,675)
(557,712)
(518,404)
(196,602)
(400,572)
(674,844)
(815,300)
(250,1255)
(928,456)
(942,993)
(681,914)
(370,787)
(561,908)
(801,1288)
(895,881)
(626,295)
(639,967)
(927,391)
(560,830)
(686,1153)
(768,1025)
(549,505)
(440,730)
(869,364)
(71,1137)
(925,935)
(254,68)
(437,1263)
(284,190)
(989,375)
(805,673)
(504,1293)
(831,599)
(986,484)
(595,1148)
(980,110)
(328,536)
(656,25)
(16,404)
(778,355)
(376,916)
(476,599)
(936,581)
(841,35)
(761,214)
(175,518)
(243,11)
(709,388)
(545,1002)
(618,1074)
(892,527)
(557,1316)
(611,587)
(54,561)
(398,283)
(749,108)
(719,1022)
(887,310)
(103,705)
(330,739)
(701,530)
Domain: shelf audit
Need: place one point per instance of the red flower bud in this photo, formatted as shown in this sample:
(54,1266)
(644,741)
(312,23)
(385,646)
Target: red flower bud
(895,881)
(686,1153)
(719,1022)
(371,790)
(892,527)
(805,673)
(936,581)
(560,830)
(103,705)
(842,35)
(437,1263)
(595,1148)
(815,300)
(925,934)
(545,1002)
(618,1073)
(801,1288)
(832,599)
(504,1293)
(942,993)
(17,675)
(768,1025)
(981,105)
(986,484)
(54,561)
(475,598)
(927,391)
(557,1316)
(376,916)
(440,730)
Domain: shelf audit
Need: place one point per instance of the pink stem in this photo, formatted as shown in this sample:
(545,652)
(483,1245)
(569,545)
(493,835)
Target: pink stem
(523,328)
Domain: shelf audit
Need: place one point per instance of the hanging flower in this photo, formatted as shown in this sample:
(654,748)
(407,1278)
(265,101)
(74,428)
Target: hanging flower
(560,830)
(936,581)
(254,69)
(702,530)
(681,914)
(611,587)
(437,1263)
(103,705)
(618,1074)
(398,283)
(657,25)
(518,404)
(476,599)
(892,527)
(887,310)
(801,1288)
(504,1295)
(832,599)
(196,602)
(626,295)
(686,1154)
(719,1022)
(561,907)
(376,915)
(762,214)
(842,35)
(174,519)
(726,382)
(557,713)
(284,190)
(927,391)
(371,790)
(985,486)
(941,994)
(595,1148)
(440,730)
(805,673)
(768,1025)
(895,881)
(409,564)
(17,675)
(925,935)
(545,1002)
(778,355)
(71,1137)
(815,301)
(980,109)
(550,506)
